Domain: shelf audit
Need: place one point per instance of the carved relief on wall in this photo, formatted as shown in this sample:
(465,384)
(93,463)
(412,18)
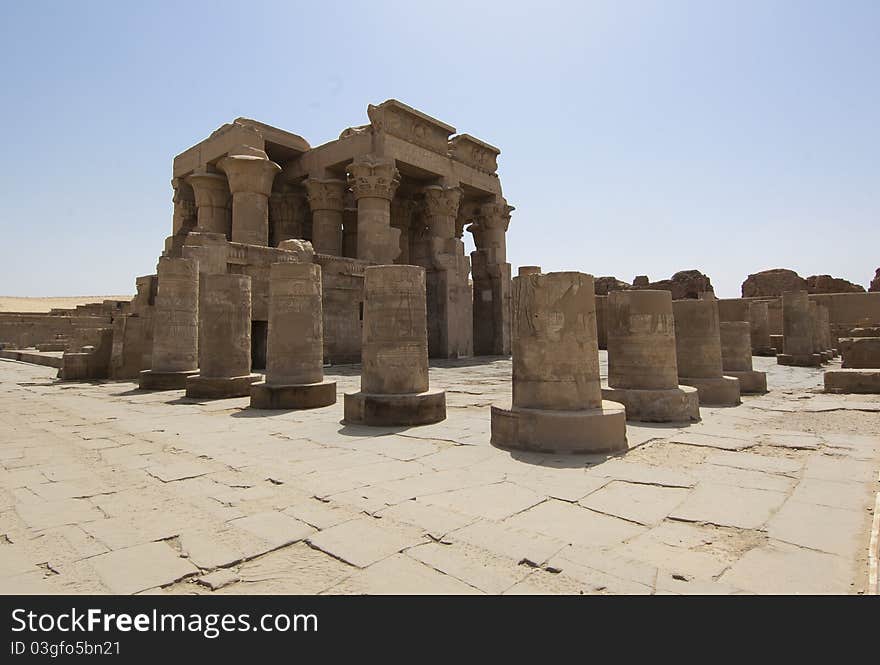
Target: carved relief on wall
(475,153)
(399,120)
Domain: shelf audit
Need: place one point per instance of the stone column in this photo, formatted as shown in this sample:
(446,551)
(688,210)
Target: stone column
(818,338)
(326,199)
(183,220)
(402,212)
(760,329)
(374,181)
(295,362)
(491,277)
(212,196)
(394,375)
(224,338)
(350,232)
(557,398)
(528,270)
(736,357)
(602,321)
(450,303)
(698,352)
(642,367)
(797,331)
(175,326)
(250,181)
(185,214)
(825,322)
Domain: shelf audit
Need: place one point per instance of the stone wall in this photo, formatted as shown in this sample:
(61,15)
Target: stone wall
(23,330)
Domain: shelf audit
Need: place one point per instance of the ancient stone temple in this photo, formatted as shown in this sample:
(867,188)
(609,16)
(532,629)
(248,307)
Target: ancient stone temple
(402,189)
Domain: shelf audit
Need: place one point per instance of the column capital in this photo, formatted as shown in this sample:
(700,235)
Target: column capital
(325,193)
(495,214)
(210,189)
(373,177)
(249,173)
(442,200)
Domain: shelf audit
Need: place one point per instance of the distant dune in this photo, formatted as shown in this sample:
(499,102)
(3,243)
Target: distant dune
(19,304)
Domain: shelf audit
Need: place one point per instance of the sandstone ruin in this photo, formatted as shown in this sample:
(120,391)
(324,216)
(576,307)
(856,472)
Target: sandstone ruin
(642,367)
(394,373)
(557,398)
(698,352)
(295,354)
(300,262)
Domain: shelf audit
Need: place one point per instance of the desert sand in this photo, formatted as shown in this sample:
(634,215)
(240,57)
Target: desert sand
(23,304)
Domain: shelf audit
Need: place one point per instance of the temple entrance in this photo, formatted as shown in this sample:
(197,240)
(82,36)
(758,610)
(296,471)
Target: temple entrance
(259,343)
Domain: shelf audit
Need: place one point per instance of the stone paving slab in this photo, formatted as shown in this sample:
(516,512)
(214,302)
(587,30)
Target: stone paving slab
(104,488)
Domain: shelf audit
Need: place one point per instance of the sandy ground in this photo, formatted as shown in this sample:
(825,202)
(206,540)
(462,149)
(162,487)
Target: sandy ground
(108,489)
(35,305)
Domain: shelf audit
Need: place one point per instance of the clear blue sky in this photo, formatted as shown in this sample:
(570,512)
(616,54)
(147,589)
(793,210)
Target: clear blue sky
(636,137)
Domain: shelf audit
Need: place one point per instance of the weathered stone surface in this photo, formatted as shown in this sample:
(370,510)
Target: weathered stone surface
(875,282)
(110,444)
(698,352)
(642,367)
(605,284)
(829,284)
(394,375)
(365,541)
(557,398)
(724,505)
(773,282)
(683,284)
(141,567)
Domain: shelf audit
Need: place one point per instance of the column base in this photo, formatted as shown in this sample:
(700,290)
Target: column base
(389,410)
(293,396)
(799,360)
(862,381)
(220,387)
(672,405)
(826,356)
(152,380)
(76,367)
(767,351)
(718,391)
(751,382)
(598,430)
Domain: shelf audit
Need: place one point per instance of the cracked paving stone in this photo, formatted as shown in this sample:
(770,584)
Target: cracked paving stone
(367,540)
(434,520)
(401,574)
(178,471)
(831,530)
(493,502)
(726,505)
(780,568)
(645,504)
(141,567)
(575,524)
(48,514)
(474,566)
(274,527)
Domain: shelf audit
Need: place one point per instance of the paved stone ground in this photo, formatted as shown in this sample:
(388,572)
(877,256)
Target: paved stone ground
(104,488)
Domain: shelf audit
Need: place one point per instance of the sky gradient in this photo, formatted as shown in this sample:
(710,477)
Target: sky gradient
(636,137)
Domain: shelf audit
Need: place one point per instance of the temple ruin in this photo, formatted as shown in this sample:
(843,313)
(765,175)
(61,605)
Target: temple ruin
(402,189)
